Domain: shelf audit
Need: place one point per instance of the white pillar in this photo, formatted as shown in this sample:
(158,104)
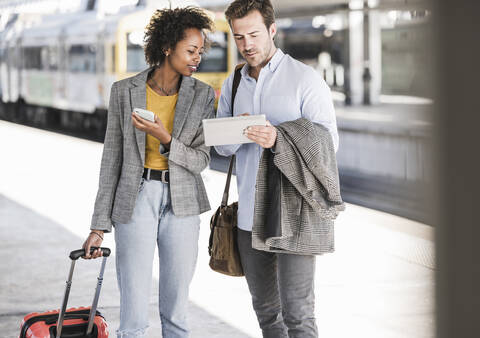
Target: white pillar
(355,57)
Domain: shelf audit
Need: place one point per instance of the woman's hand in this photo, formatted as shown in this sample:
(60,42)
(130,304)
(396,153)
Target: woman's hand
(95,238)
(156,129)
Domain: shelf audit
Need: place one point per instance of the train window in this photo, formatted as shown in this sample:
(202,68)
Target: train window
(82,58)
(11,58)
(62,58)
(112,66)
(32,57)
(15,59)
(100,58)
(44,57)
(135,55)
(52,58)
(216,58)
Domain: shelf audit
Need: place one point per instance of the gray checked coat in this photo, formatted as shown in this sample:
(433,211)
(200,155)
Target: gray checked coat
(297,216)
(124,152)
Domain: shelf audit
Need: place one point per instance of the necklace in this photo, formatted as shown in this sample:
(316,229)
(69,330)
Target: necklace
(167,92)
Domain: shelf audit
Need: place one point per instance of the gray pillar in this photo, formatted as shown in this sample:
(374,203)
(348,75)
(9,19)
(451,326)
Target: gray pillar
(367,76)
(372,52)
(457,117)
(355,57)
(375,55)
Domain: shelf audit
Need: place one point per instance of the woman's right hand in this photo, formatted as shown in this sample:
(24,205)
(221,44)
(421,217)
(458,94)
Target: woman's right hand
(95,238)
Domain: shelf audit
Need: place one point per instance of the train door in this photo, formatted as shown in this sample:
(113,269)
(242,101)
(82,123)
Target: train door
(82,91)
(5,72)
(61,95)
(110,72)
(214,68)
(104,69)
(107,45)
(8,65)
(14,66)
(18,67)
(2,70)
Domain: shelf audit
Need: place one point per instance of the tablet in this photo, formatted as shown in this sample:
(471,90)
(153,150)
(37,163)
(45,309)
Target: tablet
(229,130)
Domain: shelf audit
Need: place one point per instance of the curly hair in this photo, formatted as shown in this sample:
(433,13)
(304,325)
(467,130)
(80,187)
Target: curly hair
(167,27)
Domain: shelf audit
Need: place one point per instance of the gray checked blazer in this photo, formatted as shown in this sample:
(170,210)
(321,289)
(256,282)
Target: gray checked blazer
(124,152)
(304,169)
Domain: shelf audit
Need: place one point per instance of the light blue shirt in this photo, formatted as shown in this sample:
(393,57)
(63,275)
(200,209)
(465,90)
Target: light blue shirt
(286,90)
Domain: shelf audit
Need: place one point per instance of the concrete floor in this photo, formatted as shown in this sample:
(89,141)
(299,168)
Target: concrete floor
(378,283)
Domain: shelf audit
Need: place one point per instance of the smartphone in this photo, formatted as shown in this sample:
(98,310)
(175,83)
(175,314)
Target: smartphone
(145,114)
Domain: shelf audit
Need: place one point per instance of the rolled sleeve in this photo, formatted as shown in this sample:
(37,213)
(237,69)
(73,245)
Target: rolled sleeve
(317,105)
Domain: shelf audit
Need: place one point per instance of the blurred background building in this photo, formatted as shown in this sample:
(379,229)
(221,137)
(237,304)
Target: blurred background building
(58,60)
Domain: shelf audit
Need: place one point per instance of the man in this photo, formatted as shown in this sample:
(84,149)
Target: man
(284,89)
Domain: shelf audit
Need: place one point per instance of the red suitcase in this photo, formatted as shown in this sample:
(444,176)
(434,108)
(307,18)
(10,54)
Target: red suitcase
(74,322)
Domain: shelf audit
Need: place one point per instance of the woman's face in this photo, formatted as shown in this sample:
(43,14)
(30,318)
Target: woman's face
(186,56)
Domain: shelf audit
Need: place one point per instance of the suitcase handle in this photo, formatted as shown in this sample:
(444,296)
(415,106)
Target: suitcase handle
(76,254)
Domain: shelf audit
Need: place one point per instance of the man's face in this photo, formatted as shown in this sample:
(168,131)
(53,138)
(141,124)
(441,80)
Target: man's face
(253,39)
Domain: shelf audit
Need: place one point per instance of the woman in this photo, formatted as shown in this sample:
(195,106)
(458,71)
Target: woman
(150,186)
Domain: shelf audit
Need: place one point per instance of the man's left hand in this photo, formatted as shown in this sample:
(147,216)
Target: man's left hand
(264,136)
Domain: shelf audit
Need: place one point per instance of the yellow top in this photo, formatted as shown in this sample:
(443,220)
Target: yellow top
(164,108)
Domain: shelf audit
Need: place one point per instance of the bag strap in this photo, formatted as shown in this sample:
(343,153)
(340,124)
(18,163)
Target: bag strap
(236,81)
(227,185)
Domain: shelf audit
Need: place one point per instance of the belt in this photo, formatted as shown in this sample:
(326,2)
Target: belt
(158,175)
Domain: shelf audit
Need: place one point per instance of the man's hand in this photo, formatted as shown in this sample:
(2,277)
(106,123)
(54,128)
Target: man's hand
(94,239)
(265,136)
(156,129)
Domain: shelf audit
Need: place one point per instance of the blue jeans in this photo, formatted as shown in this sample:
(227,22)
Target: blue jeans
(177,240)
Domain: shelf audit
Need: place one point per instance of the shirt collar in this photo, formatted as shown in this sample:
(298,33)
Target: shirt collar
(275,60)
(271,65)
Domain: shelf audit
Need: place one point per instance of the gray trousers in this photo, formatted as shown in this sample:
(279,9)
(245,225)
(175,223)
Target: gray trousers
(282,289)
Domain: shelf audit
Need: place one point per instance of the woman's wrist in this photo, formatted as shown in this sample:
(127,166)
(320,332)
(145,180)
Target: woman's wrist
(98,233)
(168,141)
(165,137)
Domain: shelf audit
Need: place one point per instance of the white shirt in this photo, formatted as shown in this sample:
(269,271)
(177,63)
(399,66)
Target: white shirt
(286,90)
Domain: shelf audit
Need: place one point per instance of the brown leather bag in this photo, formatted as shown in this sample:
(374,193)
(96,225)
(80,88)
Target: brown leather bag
(222,246)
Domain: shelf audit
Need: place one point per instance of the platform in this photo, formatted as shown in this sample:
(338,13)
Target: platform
(378,284)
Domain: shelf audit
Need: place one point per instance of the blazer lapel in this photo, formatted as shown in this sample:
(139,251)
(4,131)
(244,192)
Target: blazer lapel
(139,100)
(185,99)
(138,95)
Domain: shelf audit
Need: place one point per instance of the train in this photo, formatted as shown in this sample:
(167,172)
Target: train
(56,70)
